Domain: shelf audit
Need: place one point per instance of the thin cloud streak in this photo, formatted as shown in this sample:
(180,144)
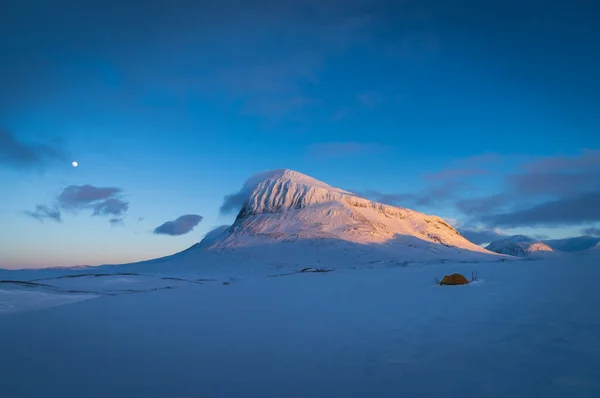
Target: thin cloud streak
(18,154)
(43,212)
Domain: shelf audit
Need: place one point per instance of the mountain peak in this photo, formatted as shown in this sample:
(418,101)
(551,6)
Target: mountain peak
(287,206)
(277,190)
(287,175)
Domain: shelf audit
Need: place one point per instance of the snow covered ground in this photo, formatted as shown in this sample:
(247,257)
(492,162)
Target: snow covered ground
(235,316)
(366,329)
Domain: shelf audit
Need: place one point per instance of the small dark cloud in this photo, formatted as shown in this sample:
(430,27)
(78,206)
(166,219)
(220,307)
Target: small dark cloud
(43,212)
(565,211)
(75,197)
(140,219)
(23,155)
(116,221)
(103,201)
(591,231)
(480,236)
(113,207)
(234,202)
(180,226)
(334,150)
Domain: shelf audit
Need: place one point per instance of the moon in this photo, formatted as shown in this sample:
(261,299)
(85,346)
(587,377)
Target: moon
(75,164)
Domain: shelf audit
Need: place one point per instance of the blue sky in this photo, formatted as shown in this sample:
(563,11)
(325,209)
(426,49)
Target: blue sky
(481,112)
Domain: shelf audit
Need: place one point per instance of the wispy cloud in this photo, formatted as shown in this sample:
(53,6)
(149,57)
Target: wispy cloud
(554,183)
(116,221)
(549,191)
(181,226)
(43,212)
(102,201)
(81,196)
(280,87)
(591,231)
(576,210)
(113,207)
(232,203)
(266,56)
(586,160)
(277,85)
(19,154)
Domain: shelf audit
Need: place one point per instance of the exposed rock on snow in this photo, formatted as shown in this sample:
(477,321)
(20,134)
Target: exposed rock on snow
(520,246)
(315,270)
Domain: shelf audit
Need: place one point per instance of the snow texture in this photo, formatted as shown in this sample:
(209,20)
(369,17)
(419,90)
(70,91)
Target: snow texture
(525,328)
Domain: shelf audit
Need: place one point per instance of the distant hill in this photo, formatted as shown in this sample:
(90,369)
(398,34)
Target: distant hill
(519,246)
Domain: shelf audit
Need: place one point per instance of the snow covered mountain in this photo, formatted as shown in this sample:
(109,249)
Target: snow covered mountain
(286,206)
(520,246)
